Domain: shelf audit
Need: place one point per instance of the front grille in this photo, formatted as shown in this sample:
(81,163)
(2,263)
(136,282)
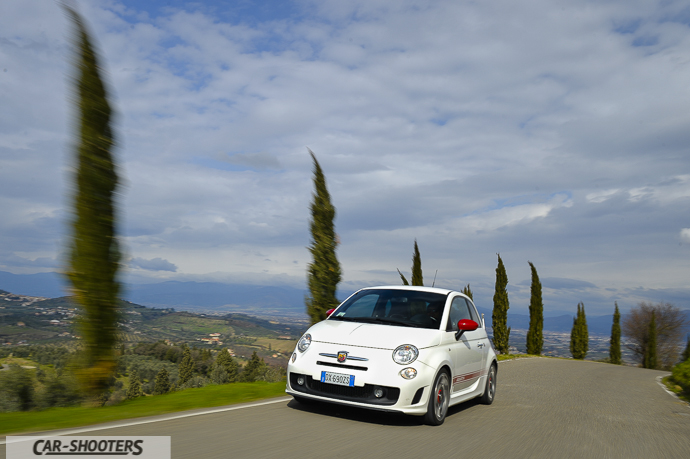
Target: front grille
(353,394)
(341,365)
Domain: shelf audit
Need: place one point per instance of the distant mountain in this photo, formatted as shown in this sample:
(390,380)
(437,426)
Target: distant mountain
(212,295)
(48,285)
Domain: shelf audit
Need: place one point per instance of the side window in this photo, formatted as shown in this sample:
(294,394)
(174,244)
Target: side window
(458,312)
(475,315)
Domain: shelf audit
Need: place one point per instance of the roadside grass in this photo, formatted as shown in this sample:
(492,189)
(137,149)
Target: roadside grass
(189,399)
(676,389)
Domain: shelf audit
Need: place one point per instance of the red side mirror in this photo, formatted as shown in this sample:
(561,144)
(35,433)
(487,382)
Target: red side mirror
(329,312)
(467,325)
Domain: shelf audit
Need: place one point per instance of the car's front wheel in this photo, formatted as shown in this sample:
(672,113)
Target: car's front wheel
(490,389)
(438,400)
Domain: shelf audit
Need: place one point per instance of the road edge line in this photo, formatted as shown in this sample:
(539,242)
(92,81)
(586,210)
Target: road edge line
(150,421)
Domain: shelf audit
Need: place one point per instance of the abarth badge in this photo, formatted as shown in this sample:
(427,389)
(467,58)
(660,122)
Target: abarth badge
(342,356)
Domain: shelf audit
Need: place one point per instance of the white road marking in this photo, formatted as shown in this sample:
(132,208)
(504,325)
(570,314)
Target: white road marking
(149,421)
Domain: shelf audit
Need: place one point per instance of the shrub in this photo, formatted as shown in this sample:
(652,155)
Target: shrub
(681,375)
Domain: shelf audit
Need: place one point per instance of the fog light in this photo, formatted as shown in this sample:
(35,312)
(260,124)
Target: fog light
(408,373)
(378,392)
(300,380)
(294,357)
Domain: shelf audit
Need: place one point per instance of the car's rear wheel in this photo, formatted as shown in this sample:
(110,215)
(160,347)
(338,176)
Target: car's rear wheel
(490,389)
(438,400)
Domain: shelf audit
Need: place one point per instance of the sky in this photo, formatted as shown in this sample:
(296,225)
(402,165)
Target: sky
(550,131)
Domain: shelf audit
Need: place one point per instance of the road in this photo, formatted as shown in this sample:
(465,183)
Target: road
(544,408)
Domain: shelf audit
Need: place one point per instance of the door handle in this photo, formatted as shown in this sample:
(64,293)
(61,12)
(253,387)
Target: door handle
(480,345)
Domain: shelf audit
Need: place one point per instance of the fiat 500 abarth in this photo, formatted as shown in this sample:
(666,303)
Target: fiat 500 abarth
(415,350)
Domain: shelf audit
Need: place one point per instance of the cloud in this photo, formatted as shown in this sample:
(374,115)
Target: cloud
(548,131)
(155,264)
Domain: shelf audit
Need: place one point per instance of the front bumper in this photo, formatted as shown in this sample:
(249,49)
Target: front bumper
(377,372)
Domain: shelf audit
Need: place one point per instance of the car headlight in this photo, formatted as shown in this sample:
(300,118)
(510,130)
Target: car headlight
(405,354)
(304,342)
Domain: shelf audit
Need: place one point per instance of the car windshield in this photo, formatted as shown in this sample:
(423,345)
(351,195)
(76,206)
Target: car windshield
(407,308)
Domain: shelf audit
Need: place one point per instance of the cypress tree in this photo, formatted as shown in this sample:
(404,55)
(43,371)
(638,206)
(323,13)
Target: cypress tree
(467,291)
(579,335)
(94,253)
(162,382)
(615,349)
(186,366)
(535,335)
(650,360)
(417,278)
(134,388)
(686,353)
(323,272)
(403,278)
(499,316)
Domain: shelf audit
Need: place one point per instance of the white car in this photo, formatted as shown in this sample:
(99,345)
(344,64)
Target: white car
(415,350)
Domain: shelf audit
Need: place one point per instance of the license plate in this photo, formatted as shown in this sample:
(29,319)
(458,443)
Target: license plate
(337,378)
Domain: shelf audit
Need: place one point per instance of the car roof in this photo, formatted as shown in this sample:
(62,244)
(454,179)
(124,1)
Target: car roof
(443,291)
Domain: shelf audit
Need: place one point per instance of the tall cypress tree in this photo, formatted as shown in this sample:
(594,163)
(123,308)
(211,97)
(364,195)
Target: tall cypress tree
(615,348)
(579,335)
(650,360)
(94,253)
(535,335)
(417,278)
(686,353)
(324,271)
(186,366)
(467,291)
(499,316)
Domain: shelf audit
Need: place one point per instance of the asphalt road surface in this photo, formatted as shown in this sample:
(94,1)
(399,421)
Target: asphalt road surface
(544,408)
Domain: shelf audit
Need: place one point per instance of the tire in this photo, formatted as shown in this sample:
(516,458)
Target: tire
(490,389)
(438,400)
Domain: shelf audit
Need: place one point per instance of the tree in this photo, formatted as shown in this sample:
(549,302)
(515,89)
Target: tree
(650,360)
(499,316)
(467,291)
(323,272)
(134,388)
(225,361)
(94,252)
(403,278)
(670,326)
(186,366)
(254,369)
(686,353)
(162,383)
(579,335)
(535,336)
(615,348)
(417,278)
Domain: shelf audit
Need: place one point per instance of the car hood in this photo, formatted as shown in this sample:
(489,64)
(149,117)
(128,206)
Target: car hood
(373,335)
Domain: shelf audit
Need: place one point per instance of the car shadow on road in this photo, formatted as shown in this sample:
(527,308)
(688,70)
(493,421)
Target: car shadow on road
(372,416)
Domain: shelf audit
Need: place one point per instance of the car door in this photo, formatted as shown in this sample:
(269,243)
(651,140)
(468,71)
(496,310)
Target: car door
(467,351)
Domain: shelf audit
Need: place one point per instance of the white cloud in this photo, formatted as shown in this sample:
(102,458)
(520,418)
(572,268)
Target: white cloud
(551,131)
